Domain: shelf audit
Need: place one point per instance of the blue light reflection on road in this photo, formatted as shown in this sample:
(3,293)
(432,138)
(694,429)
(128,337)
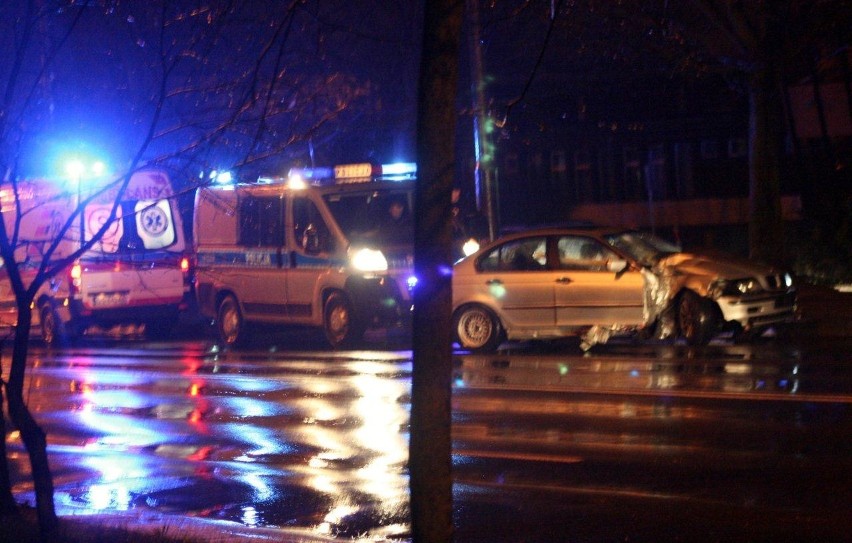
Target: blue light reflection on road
(323,432)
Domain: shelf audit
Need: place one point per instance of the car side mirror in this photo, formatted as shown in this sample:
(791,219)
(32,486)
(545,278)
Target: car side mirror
(617,266)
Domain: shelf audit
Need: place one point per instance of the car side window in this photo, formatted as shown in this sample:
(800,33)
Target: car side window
(528,254)
(583,253)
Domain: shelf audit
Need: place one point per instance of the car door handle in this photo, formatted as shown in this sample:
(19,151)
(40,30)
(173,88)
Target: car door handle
(564,280)
(494,282)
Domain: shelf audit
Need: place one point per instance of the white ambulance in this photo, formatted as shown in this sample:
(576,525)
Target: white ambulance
(138,273)
(319,248)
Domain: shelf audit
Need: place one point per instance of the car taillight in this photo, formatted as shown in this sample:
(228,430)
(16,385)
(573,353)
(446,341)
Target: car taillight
(187,268)
(75,276)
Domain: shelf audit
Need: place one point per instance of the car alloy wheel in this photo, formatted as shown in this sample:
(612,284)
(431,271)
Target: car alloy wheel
(477,328)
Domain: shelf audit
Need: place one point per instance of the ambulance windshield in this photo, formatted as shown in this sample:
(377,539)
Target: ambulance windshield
(375,217)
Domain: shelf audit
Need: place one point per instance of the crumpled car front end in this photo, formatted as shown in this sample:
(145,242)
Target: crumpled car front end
(757,302)
(750,297)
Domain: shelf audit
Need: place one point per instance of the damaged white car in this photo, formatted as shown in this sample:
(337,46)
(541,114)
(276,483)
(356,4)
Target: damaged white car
(552,283)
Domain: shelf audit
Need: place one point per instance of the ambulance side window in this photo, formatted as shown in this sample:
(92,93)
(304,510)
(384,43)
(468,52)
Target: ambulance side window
(261,221)
(309,228)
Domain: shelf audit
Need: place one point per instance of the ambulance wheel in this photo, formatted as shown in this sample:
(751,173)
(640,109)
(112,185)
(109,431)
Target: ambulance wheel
(53,332)
(231,328)
(339,322)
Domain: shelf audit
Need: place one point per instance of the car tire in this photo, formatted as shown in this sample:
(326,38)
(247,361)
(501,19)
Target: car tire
(339,321)
(477,328)
(53,331)
(697,319)
(231,327)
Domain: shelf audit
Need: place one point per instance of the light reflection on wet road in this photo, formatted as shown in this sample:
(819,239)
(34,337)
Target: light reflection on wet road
(318,440)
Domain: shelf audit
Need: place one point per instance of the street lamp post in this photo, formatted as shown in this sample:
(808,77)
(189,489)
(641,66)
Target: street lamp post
(76,169)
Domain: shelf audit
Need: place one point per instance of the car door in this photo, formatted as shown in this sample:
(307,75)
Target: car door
(588,291)
(516,281)
(311,258)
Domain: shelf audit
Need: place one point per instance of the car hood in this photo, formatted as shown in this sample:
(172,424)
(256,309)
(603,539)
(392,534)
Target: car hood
(713,266)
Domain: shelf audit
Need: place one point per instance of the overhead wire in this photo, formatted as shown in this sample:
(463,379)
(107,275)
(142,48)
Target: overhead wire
(554,11)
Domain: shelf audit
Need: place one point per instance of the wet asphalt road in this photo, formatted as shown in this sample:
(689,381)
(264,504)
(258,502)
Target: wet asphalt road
(626,443)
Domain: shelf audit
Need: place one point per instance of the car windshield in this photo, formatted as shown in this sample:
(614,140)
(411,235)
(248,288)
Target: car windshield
(376,217)
(643,247)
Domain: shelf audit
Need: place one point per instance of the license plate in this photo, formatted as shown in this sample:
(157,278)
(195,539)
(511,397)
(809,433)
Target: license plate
(109,300)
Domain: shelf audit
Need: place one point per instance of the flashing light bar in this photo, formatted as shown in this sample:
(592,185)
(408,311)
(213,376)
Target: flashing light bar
(399,168)
(308,174)
(353,173)
(222,178)
(346,173)
(262,180)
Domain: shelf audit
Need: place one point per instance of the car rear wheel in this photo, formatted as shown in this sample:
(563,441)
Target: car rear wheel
(231,328)
(340,324)
(53,332)
(477,328)
(697,319)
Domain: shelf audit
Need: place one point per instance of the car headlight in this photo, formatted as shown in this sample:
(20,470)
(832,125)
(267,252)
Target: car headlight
(788,280)
(735,287)
(368,260)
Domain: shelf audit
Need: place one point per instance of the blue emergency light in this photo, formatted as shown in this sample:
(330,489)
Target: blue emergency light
(362,172)
(311,174)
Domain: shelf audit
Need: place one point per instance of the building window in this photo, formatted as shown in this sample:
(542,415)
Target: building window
(537,162)
(633,178)
(583,176)
(656,178)
(737,147)
(683,170)
(557,162)
(709,149)
(511,163)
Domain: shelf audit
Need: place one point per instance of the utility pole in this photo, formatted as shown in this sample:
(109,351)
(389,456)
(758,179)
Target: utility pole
(483,150)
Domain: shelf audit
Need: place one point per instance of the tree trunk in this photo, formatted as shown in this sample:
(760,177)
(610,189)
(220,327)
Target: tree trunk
(430,448)
(32,435)
(766,137)
(7,500)
(766,228)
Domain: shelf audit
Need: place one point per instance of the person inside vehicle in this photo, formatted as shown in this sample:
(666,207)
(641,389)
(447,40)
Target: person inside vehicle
(397,226)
